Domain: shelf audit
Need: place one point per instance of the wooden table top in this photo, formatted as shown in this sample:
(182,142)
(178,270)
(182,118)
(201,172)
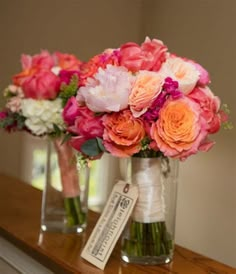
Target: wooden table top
(20,206)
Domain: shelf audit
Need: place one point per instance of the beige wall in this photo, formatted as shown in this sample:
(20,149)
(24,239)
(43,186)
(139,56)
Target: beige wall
(84,28)
(205,30)
(201,30)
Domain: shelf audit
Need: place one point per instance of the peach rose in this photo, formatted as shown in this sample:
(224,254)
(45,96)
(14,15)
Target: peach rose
(123,133)
(145,90)
(180,130)
(184,72)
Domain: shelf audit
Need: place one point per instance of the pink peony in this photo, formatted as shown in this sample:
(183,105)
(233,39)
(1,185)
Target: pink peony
(70,111)
(210,106)
(180,130)
(149,56)
(43,85)
(108,91)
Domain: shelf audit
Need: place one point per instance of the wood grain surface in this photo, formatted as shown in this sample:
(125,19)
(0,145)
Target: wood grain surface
(20,206)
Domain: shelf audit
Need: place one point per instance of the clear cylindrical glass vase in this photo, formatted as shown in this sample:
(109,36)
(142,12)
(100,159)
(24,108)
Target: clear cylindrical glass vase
(65,194)
(149,235)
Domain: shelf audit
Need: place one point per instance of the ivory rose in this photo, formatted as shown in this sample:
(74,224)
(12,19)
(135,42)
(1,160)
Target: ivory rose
(210,107)
(145,90)
(108,91)
(43,85)
(123,133)
(180,130)
(149,56)
(179,70)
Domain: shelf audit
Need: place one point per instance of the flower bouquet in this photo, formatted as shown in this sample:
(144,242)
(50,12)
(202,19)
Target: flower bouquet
(143,102)
(34,103)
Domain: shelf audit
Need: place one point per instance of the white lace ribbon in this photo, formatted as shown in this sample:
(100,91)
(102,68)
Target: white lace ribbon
(150,207)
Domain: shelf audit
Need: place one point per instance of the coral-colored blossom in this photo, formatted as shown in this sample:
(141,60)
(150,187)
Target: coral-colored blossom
(180,130)
(123,133)
(43,85)
(149,56)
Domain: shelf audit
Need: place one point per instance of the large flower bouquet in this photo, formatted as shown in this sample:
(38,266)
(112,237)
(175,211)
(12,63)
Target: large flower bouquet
(34,103)
(143,101)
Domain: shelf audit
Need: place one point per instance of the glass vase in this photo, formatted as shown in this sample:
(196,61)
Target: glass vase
(149,235)
(65,195)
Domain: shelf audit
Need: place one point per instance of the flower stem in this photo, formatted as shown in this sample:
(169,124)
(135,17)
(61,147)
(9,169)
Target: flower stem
(74,212)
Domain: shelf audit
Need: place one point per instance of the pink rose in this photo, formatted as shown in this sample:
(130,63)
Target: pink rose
(204,77)
(86,124)
(42,85)
(149,56)
(210,106)
(70,111)
(3,115)
(41,61)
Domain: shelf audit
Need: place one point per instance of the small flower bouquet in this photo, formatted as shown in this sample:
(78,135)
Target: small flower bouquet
(34,103)
(141,101)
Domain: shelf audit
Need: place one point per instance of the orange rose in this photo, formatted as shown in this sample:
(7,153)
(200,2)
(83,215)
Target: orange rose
(123,133)
(180,130)
(146,88)
(67,61)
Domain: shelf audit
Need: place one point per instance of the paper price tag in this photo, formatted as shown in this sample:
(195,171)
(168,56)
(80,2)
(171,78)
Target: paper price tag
(110,224)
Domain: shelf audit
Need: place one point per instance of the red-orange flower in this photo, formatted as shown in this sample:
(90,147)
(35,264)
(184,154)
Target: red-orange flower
(123,133)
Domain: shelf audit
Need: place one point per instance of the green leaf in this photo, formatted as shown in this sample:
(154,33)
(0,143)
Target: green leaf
(100,144)
(66,138)
(67,91)
(91,147)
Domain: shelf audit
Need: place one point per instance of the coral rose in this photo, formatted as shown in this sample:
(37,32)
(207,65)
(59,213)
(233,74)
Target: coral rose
(33,64)
(123,133)
(180,130)
(67,61)
(149,56)
(145,90)
(210,107)
(42,85)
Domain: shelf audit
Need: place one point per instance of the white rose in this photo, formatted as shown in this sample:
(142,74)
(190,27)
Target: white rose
(179,70)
